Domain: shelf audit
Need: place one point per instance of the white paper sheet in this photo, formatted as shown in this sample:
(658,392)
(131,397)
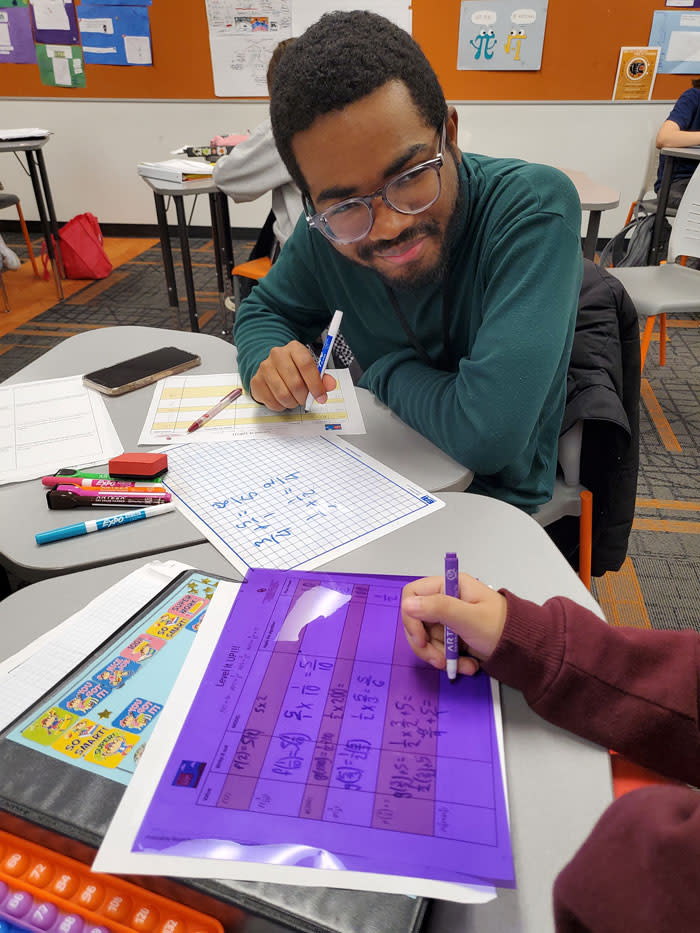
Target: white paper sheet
(138,50)
(115,853)
(53,421)
(290,503)
(50,15)
(25,132)
(28,674)
(178,400)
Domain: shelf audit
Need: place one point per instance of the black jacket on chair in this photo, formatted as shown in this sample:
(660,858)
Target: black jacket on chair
(603,391)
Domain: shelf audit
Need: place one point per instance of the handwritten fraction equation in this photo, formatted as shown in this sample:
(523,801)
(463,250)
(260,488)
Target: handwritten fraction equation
(290,502)
(314,715)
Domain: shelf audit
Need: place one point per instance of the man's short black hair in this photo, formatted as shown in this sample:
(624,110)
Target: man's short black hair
(340,59)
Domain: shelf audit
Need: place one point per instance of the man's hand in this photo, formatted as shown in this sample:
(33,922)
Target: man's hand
(287,376)
(477,618)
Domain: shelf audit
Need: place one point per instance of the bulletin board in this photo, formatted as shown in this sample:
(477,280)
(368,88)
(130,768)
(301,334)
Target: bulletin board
(579,60)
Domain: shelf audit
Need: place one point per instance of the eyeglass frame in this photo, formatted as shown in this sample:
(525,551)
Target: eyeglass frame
(316,220)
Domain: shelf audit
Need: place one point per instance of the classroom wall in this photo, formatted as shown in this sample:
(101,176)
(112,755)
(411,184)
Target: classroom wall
(92,156)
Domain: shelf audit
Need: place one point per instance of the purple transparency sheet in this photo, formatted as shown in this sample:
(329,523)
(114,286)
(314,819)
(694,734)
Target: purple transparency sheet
(317,738)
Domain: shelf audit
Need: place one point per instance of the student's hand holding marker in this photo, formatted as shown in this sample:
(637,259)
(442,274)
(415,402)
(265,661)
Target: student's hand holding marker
(286,377)
(289,376)
(477,617)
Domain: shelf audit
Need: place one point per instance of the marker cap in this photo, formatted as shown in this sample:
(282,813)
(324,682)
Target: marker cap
(58,534)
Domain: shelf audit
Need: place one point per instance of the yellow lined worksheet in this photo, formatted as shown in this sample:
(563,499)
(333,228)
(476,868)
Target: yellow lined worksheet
(179,400)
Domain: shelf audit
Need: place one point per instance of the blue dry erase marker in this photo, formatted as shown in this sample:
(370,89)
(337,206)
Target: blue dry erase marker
(101,524)
(331,334)
(451,589)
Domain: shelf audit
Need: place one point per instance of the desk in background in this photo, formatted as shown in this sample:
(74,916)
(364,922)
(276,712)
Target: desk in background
(558,785)
(32,149)
(221,235)
(595,198)
(23,505)
(671,153)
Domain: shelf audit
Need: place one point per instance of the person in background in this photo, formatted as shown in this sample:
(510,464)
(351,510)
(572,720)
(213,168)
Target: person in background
(458,275)
(254,167)
(635,691)
(681,129)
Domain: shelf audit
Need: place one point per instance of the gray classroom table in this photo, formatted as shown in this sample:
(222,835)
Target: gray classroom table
(595,198)
(558,785)
(23,505)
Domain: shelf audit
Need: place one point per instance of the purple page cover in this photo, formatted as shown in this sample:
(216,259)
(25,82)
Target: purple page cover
(69,36)
(21,50)
(317,738)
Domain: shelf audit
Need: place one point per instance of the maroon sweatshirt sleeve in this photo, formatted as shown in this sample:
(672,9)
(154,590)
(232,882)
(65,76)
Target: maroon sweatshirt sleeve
(639,870)
(633,690)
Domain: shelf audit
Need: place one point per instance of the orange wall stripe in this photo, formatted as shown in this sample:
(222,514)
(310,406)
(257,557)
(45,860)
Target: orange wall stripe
(668,438)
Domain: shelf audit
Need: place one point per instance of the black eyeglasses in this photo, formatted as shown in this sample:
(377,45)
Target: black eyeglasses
(409,192)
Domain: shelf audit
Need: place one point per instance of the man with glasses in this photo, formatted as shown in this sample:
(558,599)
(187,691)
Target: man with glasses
(458,275)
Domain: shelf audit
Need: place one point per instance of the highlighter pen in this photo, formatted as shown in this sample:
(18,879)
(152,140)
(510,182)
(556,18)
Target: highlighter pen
(215,409)
(71,497)
(101,483)
(451,589)
(331,334)
(101,524)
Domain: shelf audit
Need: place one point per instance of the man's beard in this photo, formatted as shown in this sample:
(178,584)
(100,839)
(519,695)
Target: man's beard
(413,280)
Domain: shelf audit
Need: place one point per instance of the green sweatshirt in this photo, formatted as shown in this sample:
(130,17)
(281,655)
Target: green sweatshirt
(511,290)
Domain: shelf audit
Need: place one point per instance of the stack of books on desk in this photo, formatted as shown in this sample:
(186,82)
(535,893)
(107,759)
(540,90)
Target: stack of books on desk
(177,170)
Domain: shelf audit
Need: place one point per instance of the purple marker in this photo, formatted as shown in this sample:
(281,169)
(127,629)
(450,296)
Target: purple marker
(451,589)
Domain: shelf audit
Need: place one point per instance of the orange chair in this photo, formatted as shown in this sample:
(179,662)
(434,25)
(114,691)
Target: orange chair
(255,269)
(7,200)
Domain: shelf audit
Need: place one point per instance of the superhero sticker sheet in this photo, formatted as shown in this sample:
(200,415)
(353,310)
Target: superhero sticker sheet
(101,718)
(317,739)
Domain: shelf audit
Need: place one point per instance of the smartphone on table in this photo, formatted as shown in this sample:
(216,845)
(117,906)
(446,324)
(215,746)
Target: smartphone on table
(140,371)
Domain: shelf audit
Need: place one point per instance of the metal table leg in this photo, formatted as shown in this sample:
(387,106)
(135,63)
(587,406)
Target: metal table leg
(166,249)
(186,262)
(50,236)
(661,203)
(591,239)
(49,204)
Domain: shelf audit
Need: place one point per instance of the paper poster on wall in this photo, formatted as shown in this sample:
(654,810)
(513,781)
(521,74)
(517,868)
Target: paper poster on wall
(636,73)
(242,40)
(687,3)
(503,35)
(115,35)
(61,65)
(306,12)
(55,22)
(678,36)
(4,4)
(16,39)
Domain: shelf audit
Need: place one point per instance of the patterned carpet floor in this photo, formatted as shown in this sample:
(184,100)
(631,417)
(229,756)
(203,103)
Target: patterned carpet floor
(659,584)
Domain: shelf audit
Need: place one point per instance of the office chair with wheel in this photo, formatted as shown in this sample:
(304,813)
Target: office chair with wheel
(670,288)
(8,200)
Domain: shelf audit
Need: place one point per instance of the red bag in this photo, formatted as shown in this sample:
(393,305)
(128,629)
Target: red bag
(80,242)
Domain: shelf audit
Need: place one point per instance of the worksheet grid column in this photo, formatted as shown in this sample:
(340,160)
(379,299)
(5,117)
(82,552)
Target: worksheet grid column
(333,502)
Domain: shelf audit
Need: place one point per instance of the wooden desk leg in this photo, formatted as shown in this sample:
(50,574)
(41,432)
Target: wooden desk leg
(591,240)
(49,205)
(43,217)
(661,203)
(166,250)
(186,262)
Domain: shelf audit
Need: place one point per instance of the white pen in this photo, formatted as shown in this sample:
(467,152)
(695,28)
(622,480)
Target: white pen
(332,333)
